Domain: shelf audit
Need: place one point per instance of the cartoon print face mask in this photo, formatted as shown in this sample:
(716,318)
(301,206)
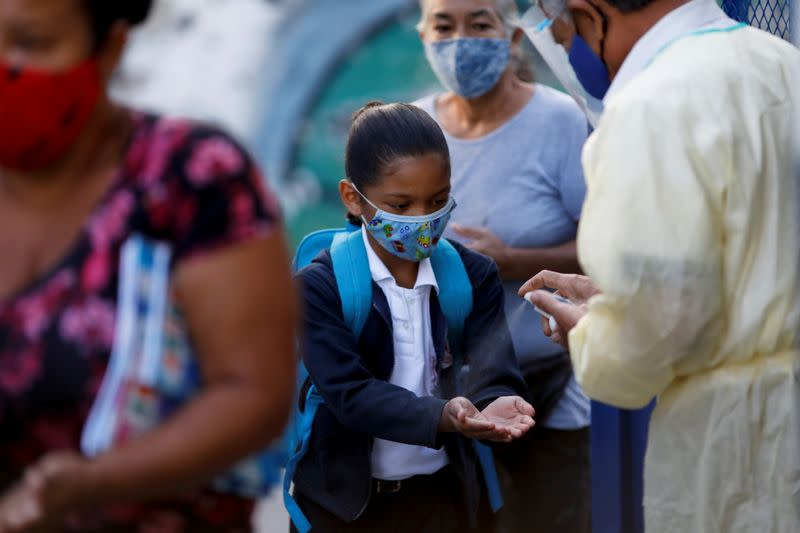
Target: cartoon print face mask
(411,238)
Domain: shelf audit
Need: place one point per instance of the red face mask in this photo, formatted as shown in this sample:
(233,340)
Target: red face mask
(43,113)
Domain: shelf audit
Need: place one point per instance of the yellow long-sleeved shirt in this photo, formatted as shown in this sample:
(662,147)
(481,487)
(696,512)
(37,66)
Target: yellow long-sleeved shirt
(691,229)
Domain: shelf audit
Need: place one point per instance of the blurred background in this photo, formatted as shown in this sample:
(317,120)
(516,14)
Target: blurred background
(285,76)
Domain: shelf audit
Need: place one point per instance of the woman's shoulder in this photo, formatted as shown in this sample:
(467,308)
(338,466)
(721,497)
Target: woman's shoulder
(554,99)
(164,146)
(556,105)
(427,104)
(198,187)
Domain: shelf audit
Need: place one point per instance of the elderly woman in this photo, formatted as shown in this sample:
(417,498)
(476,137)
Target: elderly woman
(517,179)
(79,174)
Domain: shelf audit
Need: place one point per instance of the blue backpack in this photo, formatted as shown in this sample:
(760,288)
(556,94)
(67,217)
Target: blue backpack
(354,281)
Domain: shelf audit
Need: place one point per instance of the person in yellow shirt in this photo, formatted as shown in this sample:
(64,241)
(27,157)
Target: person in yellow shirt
(690,240)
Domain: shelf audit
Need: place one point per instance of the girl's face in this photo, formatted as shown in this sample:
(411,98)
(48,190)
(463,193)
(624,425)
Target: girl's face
(409,186)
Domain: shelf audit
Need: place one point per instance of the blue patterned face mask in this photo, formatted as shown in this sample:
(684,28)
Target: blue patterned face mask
(410,238)
(469,67)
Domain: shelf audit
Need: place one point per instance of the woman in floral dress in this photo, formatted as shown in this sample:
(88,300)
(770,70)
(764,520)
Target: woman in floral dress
(78,176)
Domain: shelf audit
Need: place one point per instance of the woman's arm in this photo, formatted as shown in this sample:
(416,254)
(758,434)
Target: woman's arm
(519,263)
(240,307)
(241,312)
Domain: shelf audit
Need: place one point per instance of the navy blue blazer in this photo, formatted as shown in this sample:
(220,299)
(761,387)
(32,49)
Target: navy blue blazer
(361,405)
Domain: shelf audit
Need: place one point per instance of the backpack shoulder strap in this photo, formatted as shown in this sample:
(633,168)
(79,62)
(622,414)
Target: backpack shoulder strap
(455,299)
(353,278)
(303,423)
(311,245)
(455,289)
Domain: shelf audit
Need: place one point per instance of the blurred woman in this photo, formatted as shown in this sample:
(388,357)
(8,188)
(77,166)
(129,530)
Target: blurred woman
(79,174)
(515,150)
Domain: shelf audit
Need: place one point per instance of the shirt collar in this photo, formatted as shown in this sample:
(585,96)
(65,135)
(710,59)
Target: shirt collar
(425,277)
(690,17)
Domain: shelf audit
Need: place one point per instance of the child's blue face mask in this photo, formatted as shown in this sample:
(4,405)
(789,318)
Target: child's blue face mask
(410,238)
(469,67)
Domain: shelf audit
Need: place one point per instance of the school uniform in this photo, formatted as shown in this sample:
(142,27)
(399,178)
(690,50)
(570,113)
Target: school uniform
(376,460)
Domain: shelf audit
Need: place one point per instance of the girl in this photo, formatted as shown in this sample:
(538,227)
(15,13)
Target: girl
(389,450)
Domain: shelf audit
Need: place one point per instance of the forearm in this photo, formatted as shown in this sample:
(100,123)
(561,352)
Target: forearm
(522,263)
(625,348)
(221,426)
(392,413)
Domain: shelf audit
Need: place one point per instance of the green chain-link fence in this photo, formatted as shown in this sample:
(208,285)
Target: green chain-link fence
(774,16)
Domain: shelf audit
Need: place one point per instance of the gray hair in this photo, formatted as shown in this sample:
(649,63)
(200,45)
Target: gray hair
(507,10)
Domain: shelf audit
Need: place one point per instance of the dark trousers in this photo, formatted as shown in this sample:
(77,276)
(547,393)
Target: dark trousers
(424,504)
(546,481)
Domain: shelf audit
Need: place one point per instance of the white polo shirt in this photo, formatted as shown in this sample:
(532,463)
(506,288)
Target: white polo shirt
(414,365)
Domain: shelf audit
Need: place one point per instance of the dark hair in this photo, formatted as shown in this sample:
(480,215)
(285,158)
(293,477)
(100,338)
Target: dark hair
(104,13)
(382,133)
(626,6)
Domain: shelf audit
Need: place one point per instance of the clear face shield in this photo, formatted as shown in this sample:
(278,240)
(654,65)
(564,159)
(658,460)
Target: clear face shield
(796,27)
(549,26)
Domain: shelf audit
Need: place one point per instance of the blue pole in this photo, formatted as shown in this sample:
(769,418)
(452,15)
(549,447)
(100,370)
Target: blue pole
(619,443)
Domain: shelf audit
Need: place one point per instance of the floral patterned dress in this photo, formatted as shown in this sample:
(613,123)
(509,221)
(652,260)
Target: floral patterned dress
(185,184)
